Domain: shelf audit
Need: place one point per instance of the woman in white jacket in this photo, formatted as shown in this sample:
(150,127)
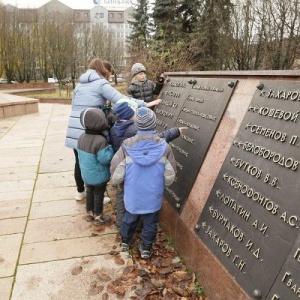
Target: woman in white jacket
(93,90)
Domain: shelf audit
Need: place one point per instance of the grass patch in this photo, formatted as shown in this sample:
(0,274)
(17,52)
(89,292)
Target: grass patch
(199,290)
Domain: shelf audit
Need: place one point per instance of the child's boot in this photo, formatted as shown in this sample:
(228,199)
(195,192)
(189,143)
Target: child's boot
(90,216)
(101,219)
(145,251)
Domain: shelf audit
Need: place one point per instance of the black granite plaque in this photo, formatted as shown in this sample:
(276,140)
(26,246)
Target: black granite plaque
(251,219)
(196,103)
(287,284)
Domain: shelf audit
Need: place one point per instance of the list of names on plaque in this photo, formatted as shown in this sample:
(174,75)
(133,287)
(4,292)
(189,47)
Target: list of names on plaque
(251,218)
(198,104)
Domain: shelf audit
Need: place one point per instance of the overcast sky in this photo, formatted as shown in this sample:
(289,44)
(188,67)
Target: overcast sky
(87,4)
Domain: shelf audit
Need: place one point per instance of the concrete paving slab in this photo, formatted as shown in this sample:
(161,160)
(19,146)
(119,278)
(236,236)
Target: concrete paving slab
(20,161)
(19,185)
(14,208)
(60,193)
(11,153)
(87,278)
(13,174)
(11,226)
(65,227)
(13,195)
(64,249)
(55,209)
(55,180)
(5,287)
(9,252)
(55,164)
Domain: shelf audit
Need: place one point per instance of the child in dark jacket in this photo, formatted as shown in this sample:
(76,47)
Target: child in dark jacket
(146,164)
(94,155)
(141,87)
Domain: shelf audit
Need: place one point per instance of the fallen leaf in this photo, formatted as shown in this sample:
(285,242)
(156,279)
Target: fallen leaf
(76,270)
(103,277)
(93,292)
(119,261)
(181,275)
(165,270)
(120,290)
(179,291)
(143,292)
(105,296)
(158,283)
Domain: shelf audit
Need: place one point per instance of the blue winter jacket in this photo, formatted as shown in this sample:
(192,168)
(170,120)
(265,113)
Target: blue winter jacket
(146,164)
(92,91)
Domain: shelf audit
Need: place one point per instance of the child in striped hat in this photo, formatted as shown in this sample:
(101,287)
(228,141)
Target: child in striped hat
(146,164)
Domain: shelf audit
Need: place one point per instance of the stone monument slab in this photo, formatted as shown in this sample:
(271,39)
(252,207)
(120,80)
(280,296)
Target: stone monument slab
(197,104)
(251,218)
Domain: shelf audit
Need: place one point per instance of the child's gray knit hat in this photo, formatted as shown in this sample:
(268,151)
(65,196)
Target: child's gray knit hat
(137,68)
(145,119)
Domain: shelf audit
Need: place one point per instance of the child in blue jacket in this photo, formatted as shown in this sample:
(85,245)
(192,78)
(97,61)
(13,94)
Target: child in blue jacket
(94,155)
(146,164)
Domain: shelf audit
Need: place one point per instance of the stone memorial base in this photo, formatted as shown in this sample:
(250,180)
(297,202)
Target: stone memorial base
(11,105)
(182,225)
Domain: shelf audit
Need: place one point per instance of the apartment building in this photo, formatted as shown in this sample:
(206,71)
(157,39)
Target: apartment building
(111,14)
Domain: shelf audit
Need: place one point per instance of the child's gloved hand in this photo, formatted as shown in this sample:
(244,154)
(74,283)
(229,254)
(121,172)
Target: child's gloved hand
(161,78)
(181,129)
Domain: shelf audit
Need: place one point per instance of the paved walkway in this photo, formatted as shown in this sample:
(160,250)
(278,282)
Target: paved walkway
(47,249)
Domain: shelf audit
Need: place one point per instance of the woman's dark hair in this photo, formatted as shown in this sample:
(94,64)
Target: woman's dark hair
(103,68)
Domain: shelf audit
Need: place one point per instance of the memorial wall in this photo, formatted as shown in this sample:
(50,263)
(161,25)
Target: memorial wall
(199,106)
(249,222)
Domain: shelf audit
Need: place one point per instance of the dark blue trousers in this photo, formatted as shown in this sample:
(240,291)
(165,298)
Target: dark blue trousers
(149,231)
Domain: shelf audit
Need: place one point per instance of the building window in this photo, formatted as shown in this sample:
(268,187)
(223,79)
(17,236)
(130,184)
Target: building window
(99,15)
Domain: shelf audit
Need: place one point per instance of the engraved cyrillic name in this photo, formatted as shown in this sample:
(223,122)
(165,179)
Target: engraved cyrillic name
(247,167)
(250,246)
(161,123)
(252,194)
(186,123)
(231,228)
(172,94)
(267,132)
(207,88)
(231,203)
(291,283)
(174,196)
(294,140)
(193,99)
(297,255)
(181,151)
(281,94)
(186,138)
(169,103)
(214,236)
(275,157)
(198,113)
(180,166)
(164,113)
(176,84)
(275,113)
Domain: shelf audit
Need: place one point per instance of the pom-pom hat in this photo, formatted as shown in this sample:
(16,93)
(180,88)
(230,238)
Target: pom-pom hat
(123,110)
(145,119)
(137,68)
